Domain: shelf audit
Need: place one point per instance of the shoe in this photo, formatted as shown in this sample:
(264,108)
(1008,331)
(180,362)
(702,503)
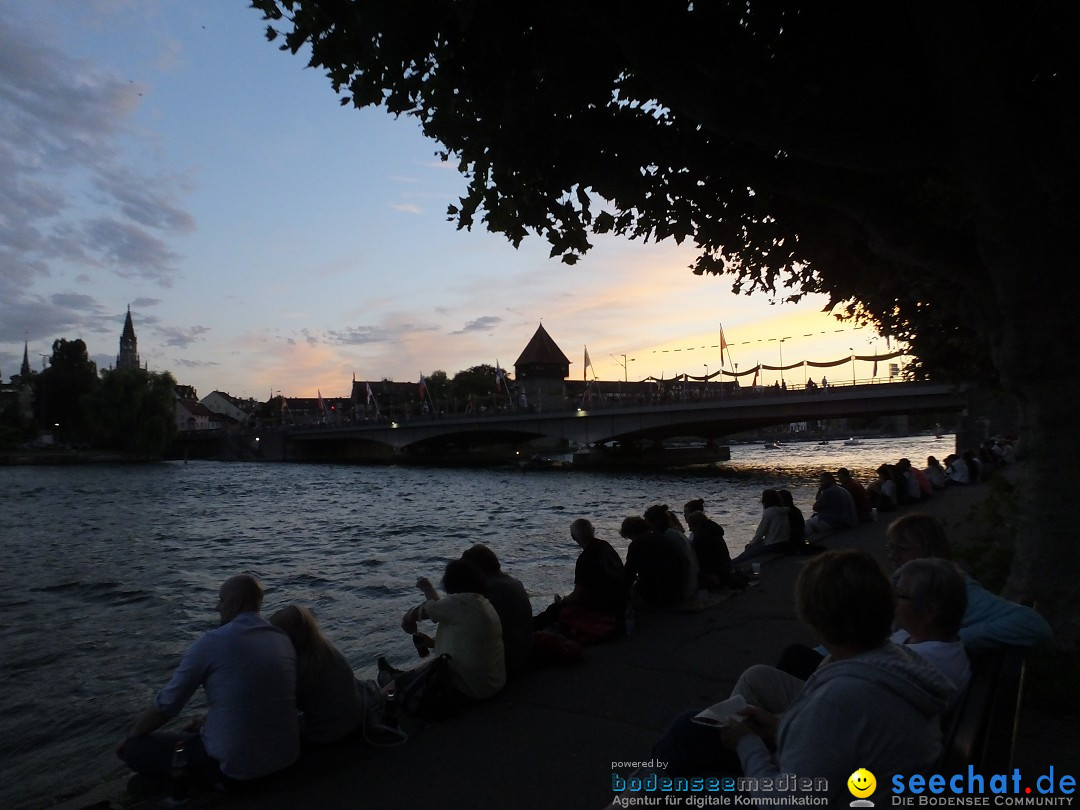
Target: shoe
(387,673)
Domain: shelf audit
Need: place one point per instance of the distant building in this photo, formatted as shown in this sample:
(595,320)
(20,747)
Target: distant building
(225,405)
(129,346)
(541,372)
(193,415)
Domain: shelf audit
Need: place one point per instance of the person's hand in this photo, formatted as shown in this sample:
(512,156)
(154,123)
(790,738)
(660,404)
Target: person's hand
(196,724)
(761,722)
(424,584)
(408,621)
(734,731)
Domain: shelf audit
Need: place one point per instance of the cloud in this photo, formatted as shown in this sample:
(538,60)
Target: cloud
(483,324)
(140,303)
(407,208)
(181,336)
(197,363)
(65,193)
(366,335)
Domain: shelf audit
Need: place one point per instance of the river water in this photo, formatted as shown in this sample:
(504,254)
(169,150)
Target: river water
(109,572)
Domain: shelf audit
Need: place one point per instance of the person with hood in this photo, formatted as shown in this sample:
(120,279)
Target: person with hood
(871,704)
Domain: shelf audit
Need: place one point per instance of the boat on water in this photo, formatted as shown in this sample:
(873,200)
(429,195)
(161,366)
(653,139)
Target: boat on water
(772,445)
(852,442)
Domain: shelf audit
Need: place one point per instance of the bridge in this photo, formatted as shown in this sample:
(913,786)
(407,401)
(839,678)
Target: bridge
(452,437)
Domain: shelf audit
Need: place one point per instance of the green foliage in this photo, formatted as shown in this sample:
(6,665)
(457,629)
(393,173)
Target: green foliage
(992,531)
(61,389)
(134,411)
(477,381)
(848,149)
(438,385)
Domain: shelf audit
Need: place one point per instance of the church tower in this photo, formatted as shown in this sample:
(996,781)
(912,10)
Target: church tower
(129,346)
(24,372)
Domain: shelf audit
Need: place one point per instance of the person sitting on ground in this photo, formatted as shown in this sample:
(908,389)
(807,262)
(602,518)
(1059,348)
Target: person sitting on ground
(834,508)
(714,559)
(989,621)
(956,471)
(975,467)
(935,473)
(332,701)
(918,485)
(884,492)
(247,668)
(600,591)
(655,567)
(696,505)
(773,533)
(797,534)
(664,522)
(857,492)
(469,633)
(510,600)
(873,705)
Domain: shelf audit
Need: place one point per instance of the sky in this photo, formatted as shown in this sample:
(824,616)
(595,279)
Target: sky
(162,155)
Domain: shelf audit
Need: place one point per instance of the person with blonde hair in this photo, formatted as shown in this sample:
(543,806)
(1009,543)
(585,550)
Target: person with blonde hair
(332,702)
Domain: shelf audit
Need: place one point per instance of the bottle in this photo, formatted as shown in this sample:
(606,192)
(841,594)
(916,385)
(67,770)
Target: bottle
(178,777)
(630,622)
(390,717)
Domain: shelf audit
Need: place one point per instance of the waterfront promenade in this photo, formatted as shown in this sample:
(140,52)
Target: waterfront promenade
(552,738)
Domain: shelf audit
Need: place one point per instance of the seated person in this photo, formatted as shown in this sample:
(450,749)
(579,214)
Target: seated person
(989,621)
(469,632)
(918,485)
(773,532)
(247,668)
(857,492)
(930,602)
(834,508)
(956,470)
(873,705)
(714,559)
(884,492)
(664,522)
(935,473)
(600,589)
(656,569)
(507,595)
(332,702)
(796,520)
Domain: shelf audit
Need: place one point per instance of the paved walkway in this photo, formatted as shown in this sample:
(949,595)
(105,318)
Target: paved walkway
(553,738)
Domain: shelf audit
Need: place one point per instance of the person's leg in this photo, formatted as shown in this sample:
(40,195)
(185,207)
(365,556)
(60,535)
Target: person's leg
(799,660)
(152,755)
(768,688)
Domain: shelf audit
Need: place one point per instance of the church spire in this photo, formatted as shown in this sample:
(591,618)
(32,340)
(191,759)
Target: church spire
(24,372)
(129,345)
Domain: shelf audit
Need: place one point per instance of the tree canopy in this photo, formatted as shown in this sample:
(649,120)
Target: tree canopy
(134,411)
(818,144)
(62,389)
(914,162)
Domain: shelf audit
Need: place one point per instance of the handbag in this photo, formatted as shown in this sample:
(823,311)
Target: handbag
(431,694)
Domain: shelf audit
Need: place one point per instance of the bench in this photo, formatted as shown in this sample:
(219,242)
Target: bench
(981,729)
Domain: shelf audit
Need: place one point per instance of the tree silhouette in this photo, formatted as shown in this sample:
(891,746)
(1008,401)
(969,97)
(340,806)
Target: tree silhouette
(915,163)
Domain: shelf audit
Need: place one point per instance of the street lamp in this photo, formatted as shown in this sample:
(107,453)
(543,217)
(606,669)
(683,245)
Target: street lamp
(782,382)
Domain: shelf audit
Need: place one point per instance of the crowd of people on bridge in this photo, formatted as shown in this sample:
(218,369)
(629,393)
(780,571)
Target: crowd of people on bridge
(275,687)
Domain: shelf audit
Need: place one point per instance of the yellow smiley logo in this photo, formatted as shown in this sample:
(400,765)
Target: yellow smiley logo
(861,783)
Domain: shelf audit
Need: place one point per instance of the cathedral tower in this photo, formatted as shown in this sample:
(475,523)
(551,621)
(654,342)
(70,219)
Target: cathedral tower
(129,346)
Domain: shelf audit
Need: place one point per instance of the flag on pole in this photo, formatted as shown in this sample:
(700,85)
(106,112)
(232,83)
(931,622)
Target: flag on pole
(723,341)
(499,375)
(322,405)
(422,387)
(370,393)
(756,369)
(588,365)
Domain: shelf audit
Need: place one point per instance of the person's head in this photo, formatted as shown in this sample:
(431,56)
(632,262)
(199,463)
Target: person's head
(916,535)
(483,558)
(932,462)
(303,631)
(785,498)
(462,576)
(847,599)
(827,480)
(885,472)
(843,474)
(582,531)
(770,497)
(661,518)
(635,527)
(695,520)
(239,594)
(696,505)
(903,465)
(931,597)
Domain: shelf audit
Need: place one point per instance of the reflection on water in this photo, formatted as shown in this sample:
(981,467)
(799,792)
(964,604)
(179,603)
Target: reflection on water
(111,571)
